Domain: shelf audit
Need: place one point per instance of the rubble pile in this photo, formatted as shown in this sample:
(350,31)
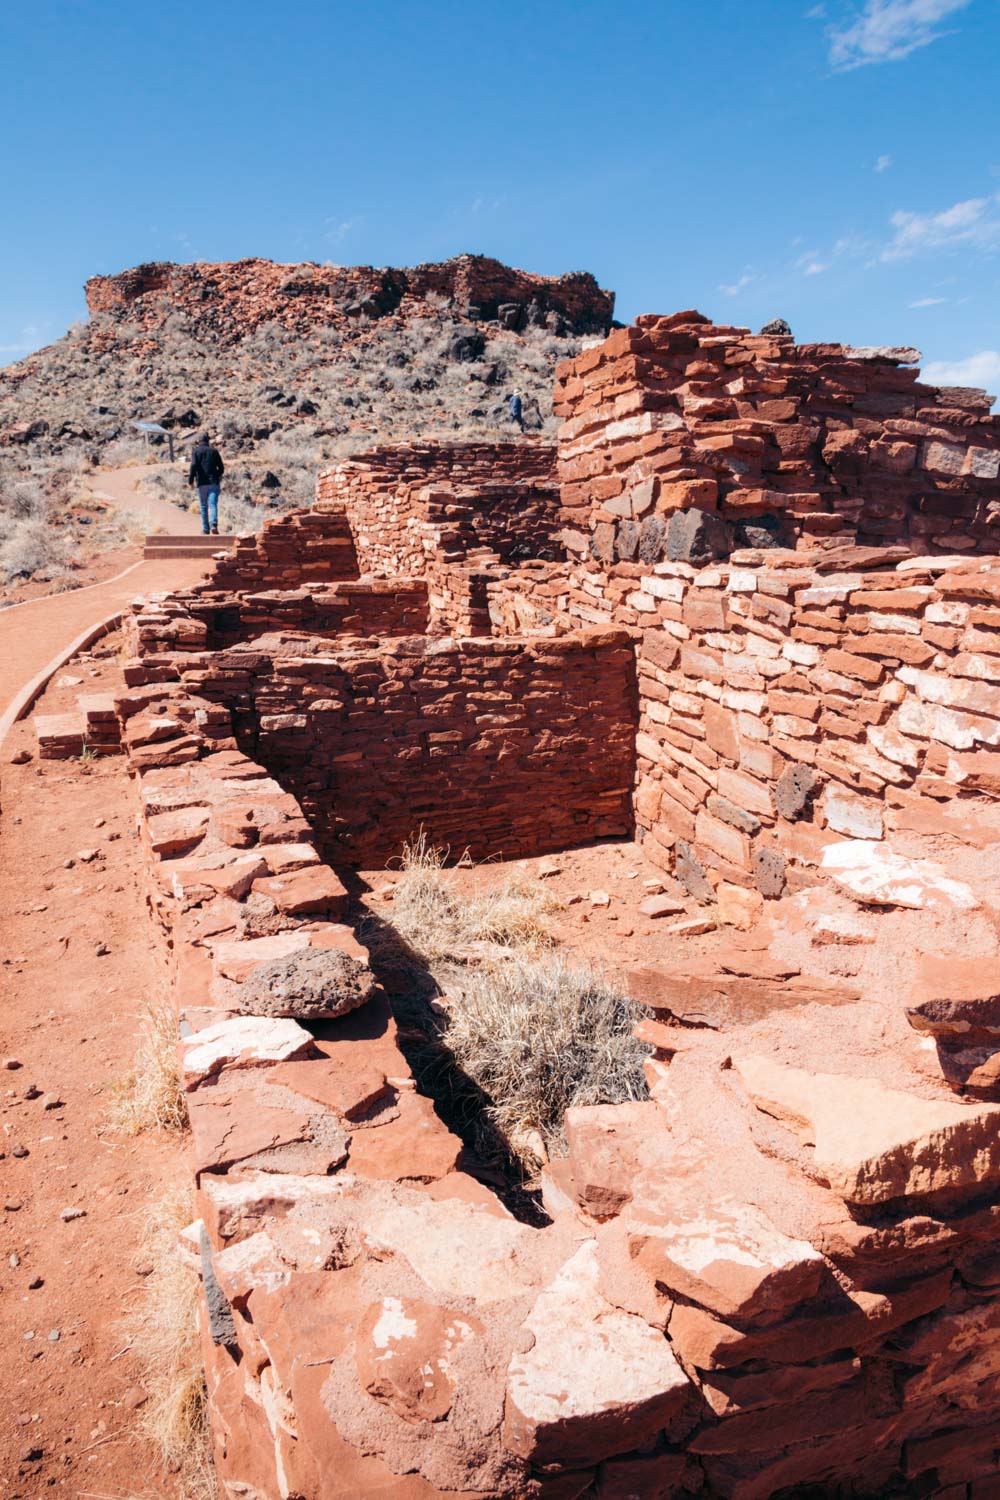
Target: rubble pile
(230,299)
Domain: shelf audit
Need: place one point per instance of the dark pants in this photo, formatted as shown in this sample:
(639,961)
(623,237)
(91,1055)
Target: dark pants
(208,499)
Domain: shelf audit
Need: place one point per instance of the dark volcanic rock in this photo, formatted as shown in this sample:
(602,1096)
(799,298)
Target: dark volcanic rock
(317,984)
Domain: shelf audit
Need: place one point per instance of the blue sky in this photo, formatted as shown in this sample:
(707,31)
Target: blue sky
(835,164)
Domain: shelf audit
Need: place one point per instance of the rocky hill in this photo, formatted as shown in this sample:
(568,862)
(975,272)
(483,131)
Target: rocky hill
(289,365)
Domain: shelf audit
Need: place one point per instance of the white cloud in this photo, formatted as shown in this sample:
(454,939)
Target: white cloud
(887,30)
(338,230)
(815,268)
(734,288)
(927,302)
(973,223)
(981,370)
(883,164)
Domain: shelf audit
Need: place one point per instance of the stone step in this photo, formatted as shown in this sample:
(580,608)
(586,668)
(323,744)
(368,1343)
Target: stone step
(197,545)
(60,736)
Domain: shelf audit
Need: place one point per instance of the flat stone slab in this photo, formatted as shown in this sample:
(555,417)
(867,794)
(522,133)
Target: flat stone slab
(875,875)
(595,1381)
(872,1144)
(244,1042)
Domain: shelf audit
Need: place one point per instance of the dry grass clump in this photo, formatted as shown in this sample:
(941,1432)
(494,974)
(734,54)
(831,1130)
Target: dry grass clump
(149,1095)
(440,922)
(524,1035)
(163,1331)
(540,1036)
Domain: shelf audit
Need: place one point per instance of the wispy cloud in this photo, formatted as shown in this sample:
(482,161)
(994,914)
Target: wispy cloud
(733,288)
(981,370)
(927,302)
(974,223)
(888,30)
(337,230)
(883,163)
(812,264)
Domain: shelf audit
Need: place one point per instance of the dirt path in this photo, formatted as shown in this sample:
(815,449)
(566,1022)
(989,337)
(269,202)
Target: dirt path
(122,488)
(69,1015)
(32,634)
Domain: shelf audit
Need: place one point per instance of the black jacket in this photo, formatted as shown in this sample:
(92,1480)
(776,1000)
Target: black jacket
(206,465)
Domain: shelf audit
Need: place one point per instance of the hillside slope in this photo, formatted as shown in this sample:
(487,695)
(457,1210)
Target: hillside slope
(289,365)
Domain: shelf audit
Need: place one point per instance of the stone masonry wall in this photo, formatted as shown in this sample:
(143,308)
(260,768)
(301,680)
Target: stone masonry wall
(777,701)
(288,552)
(772,441)
(206,619)
(504,748)
(406,503)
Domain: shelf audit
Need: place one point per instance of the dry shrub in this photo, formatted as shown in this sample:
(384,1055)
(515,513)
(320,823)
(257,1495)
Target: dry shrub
(163,1331)
(538,1036)
(524,1035)
(149,1095)
(439,922)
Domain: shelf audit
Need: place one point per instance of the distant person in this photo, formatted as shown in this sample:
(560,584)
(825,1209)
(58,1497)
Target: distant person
(517,412)
(206,471)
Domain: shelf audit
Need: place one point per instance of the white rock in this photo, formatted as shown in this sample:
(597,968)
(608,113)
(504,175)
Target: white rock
(243,1042)
(874,874)
(595,1381)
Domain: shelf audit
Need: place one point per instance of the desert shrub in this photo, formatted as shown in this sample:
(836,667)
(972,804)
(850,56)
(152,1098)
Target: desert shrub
(540,1036)
(440,922)
(149,1095)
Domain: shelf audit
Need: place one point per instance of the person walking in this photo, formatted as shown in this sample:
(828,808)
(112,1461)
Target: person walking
(205,473)
(517,411)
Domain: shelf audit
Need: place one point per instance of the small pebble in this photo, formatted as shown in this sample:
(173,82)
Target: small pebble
(86,855)
(69,1214)
(29,1335)
(12,1205)
(53,1101)
(19,1150)
(13,1260)
(102,950)
(10,1063)
(34,1286)
(53,1335)
(31,1092)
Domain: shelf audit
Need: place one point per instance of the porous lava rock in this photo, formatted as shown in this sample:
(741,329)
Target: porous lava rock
(314,984)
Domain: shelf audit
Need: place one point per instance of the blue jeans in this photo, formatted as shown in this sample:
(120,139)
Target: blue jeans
(208,499)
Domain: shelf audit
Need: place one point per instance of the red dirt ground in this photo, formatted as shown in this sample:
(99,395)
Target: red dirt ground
(70,1017)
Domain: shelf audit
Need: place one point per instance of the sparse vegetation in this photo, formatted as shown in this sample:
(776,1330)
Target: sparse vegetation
(518,1034)
(540,1036)
(280,404)
(441,923)
(149,1096)
(163,1331)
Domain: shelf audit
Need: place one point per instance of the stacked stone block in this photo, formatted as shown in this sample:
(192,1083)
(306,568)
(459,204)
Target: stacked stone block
(770,442)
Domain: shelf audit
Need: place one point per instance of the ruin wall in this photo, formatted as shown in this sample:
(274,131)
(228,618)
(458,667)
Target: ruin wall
(781,705)
(776,442)
(206,618)
(504,748)
(374,1322)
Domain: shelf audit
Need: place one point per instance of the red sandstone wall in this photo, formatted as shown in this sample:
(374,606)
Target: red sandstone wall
(501,747)
(202,620)
(780,706)
(288,552)
(832,443)
(405,503)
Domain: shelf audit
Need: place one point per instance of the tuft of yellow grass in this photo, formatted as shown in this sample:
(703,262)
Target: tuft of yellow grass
(149,1095)
(524,1035)
(163,1330)
(540,1036)
(439,922)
